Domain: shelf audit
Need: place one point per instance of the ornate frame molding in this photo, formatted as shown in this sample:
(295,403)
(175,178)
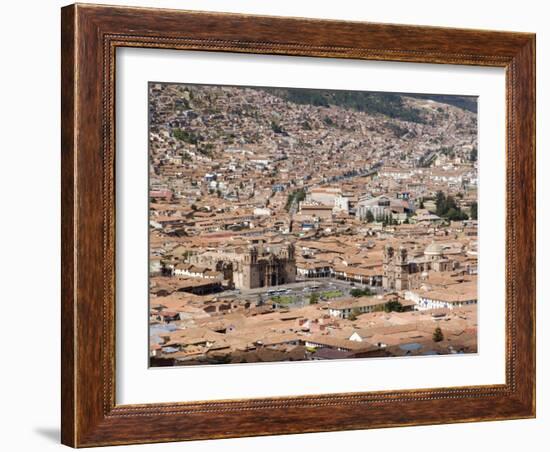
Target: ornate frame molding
(91,35)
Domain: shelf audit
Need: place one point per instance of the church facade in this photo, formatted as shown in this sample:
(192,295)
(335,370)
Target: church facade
(403,272)
(252,267)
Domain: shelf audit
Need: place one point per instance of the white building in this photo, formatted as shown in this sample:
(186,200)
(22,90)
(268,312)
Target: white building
(324,195)
(448,299)
(341,203)
(344,308)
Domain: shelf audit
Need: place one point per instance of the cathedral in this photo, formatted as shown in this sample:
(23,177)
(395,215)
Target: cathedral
(252,267)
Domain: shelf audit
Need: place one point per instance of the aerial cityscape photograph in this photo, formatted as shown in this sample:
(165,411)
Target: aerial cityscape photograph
(292,224)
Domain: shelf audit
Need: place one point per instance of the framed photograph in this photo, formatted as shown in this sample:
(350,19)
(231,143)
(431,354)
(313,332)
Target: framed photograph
(280,225)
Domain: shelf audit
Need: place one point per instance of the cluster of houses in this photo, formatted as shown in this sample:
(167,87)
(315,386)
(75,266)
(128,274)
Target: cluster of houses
(250,192)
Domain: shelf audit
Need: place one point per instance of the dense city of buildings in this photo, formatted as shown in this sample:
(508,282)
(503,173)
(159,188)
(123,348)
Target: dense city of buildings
(290,224)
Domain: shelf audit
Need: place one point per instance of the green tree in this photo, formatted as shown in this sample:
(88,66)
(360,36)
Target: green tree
(440,203)
(450,203)
(438,335)
(455,214)
(185,136)
(295,197)
(314,298)
(360,292)
(447,207)
(369,217)
(473,210)
(393,306)
(354,314)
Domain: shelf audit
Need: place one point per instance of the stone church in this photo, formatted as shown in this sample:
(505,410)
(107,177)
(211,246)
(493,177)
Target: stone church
(252,267)
(403,272)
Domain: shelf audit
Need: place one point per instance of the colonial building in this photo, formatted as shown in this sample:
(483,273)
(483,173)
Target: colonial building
(403,272)
(253,267)
(456,296)
(396,269)
(383,205)
(343,309)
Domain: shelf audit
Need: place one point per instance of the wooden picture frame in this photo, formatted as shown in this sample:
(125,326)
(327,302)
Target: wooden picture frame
(90,36)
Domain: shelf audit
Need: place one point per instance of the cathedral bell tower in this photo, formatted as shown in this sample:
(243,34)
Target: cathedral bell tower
(253,255)
(402,269)
(290,251)
(388,277)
